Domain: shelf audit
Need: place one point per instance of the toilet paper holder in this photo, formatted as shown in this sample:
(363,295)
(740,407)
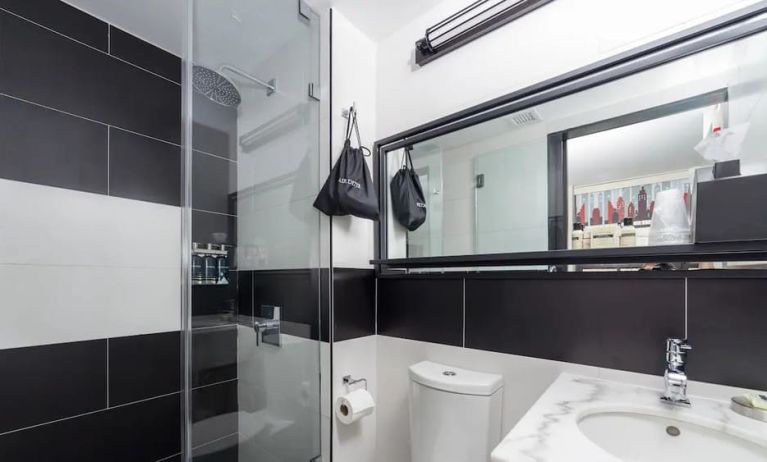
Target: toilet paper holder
(348,381)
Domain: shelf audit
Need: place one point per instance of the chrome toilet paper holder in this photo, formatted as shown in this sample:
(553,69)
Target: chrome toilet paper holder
(348,381)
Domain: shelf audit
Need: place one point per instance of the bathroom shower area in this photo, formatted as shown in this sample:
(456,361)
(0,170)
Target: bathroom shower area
(254,347)
(162,288)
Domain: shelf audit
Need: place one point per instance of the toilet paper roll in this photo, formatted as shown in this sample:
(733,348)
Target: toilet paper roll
(354,406)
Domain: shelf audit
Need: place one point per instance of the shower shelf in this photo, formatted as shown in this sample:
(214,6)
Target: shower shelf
(198,283)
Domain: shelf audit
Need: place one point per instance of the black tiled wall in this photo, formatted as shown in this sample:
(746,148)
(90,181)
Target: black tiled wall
(614,321)
(297,292)
(726,320)
(86,106)
(354,312)
(421,309)
(110,399)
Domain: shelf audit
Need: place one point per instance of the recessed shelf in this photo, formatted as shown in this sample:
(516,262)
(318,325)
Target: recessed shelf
(731,251)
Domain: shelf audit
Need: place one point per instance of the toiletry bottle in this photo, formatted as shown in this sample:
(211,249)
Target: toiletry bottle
(628,233)
(197,271)
(587,237)
(209,267)
(577,240)
(223,266)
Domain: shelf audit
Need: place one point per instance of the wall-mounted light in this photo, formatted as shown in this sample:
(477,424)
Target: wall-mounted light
(470,23)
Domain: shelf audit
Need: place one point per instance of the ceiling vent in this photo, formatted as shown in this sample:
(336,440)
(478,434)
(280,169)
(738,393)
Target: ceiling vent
(524,118)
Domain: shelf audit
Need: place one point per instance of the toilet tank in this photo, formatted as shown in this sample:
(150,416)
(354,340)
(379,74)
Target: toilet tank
(455,414)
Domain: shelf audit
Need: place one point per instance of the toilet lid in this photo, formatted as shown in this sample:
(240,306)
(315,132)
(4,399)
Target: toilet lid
(455,380)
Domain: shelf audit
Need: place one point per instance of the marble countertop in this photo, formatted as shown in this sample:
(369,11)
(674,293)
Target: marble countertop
(549,430)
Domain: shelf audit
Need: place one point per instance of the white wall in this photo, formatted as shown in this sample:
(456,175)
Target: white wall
(356,442)
(354,75)
(561,36)
(81,266)
(354,81)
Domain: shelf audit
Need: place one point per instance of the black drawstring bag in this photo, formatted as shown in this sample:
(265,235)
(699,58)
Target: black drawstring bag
(349,189)
(407,200)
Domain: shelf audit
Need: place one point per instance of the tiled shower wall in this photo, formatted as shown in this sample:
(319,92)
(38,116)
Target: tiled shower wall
(90,226)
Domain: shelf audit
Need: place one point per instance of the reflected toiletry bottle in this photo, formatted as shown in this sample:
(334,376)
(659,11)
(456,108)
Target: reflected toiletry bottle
(197,271)
(577,236)
(628,233)
(209,267)
(223,267)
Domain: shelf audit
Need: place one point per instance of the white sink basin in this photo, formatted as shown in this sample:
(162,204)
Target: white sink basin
(582,419)
(638,437)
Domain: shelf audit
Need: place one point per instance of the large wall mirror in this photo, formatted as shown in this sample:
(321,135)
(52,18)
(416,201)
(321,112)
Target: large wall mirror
(588,169)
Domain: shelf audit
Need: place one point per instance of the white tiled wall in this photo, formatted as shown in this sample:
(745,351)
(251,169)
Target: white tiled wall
(278,390)
(78,266)
(357,441)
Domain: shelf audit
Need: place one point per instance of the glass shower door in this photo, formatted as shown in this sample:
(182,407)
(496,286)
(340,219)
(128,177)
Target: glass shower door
(254,337)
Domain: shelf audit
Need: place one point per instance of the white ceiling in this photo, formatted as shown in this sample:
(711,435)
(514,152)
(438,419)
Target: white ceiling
(379,18)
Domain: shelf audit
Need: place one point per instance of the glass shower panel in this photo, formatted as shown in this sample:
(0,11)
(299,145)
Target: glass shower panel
(255,342)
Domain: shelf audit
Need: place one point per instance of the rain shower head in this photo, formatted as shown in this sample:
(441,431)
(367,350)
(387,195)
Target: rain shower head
(218,88)
(215,87)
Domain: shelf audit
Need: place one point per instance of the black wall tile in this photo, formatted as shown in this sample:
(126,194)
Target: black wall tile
(145,431)
(43,67)
(214,127)
(354,303)
(144,168)
(50,382)
(214,412)
(615,323)
(214,180)
(223,450)
(726,319)
(64,19)
(144,54)
(297,293)
(42,146)
(214,355)
(206,224)
(430,310)
(214,305)
(245,292)
(324,291)
(144,366)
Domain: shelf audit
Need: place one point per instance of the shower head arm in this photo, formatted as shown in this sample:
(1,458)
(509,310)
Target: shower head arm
(271,86)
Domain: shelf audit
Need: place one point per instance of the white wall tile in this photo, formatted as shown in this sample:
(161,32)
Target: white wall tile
(357,441)
(279,396)
(80,266)
(54,304)
(42,225)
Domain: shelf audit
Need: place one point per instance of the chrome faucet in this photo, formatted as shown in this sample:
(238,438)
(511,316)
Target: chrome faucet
(267,326)
(675,377)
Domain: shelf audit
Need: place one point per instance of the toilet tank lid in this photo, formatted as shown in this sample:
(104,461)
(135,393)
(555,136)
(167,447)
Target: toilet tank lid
(455,380)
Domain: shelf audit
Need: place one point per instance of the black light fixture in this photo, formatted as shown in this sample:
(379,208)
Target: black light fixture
(470,23)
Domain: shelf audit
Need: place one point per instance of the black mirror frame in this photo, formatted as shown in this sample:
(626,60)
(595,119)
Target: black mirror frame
(720,31)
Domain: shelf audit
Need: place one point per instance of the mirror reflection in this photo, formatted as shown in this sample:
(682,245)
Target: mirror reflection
(617,165)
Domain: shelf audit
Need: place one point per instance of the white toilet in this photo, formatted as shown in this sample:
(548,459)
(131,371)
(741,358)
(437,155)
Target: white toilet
(455,414)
